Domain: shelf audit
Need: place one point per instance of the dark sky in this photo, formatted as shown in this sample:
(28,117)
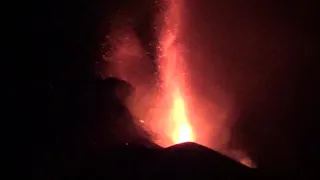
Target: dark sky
(60,44)
(263,54)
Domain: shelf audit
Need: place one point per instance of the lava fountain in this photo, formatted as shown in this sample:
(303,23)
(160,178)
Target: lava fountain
(172,76)
(170,111)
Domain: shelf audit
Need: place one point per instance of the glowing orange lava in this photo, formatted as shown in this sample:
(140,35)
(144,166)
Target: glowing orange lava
(176,113)
(182,131)
(172,74)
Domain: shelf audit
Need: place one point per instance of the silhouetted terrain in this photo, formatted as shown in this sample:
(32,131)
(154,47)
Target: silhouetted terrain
(184,161)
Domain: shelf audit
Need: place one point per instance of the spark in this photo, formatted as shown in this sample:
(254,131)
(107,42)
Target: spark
(171,60)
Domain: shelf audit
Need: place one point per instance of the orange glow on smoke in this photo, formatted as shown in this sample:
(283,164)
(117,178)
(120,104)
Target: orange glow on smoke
(171,63)
(177,113)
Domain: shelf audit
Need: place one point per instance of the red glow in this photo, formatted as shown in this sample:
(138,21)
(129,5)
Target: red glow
(175,123)
(176,113)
